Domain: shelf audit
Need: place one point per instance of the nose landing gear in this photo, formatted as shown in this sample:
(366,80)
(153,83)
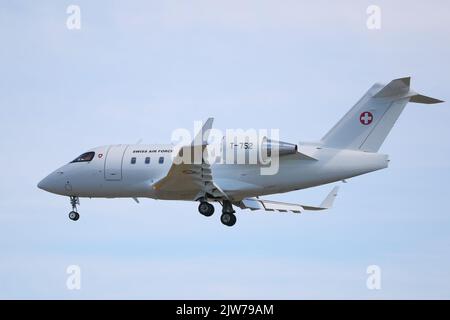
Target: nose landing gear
(74,215)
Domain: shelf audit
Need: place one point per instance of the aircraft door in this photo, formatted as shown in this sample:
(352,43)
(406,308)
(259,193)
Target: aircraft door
(113,162)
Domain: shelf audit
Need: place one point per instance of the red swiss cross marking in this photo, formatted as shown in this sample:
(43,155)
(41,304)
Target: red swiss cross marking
(366,118)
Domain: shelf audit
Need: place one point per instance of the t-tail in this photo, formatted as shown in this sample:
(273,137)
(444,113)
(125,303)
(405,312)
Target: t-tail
(367,124)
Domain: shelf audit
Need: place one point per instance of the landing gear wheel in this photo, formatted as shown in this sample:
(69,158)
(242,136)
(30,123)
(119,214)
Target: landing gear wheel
(206,209)
(228,219)
(74,216)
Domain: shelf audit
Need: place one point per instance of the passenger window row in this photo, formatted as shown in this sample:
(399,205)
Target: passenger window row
(147,160)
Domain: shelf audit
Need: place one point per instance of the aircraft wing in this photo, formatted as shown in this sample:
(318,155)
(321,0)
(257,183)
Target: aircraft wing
(195,177)
(268,205)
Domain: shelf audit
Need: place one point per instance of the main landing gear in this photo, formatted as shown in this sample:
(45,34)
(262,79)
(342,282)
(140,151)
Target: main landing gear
(206,208)
(227,218)
(74,215)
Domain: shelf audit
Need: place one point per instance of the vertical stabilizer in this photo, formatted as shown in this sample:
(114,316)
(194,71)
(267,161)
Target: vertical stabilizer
(367,124)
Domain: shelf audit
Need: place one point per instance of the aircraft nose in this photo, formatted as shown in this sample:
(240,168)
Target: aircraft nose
(44,184)
(52,183)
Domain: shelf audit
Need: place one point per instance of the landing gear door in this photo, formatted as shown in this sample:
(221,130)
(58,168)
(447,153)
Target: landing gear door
(113,162)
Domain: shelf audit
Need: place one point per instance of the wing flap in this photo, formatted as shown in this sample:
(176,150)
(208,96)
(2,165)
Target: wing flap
(267,205)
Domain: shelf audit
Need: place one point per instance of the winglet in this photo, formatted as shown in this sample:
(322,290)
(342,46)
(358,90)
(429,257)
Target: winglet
(401,87)
(203,134)
(327,203)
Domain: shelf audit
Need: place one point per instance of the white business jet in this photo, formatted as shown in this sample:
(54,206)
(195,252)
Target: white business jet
(137,171)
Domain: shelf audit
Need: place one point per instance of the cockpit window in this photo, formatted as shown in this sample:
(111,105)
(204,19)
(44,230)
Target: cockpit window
(85,157)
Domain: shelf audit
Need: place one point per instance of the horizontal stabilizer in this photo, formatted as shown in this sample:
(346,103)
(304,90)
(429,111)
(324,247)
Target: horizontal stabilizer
(418,98)
(401,88)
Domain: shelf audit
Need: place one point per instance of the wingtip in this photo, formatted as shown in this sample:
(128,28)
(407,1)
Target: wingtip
(208,123)
(329,200)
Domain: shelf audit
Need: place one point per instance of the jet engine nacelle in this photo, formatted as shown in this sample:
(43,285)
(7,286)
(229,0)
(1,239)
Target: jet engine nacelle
(278,147)
(247,149)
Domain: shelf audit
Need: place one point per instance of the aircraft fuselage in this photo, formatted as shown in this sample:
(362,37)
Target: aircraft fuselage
(131,170)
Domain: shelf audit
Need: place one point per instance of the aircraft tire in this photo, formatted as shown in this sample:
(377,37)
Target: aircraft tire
(74,216)
(206,209)
(228,219)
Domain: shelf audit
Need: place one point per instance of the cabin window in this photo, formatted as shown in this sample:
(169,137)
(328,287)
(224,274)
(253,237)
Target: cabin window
(133,160)
(161,160)
(85,157)
(147,160)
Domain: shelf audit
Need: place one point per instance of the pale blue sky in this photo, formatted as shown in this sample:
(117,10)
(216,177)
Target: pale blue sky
(139,69)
